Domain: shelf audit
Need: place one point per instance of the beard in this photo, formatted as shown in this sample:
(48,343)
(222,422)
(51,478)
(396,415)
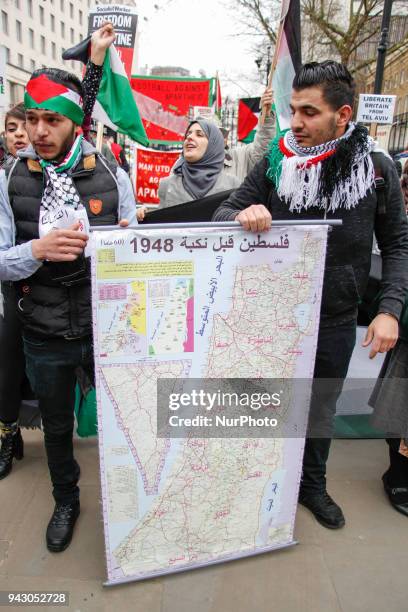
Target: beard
(65,146)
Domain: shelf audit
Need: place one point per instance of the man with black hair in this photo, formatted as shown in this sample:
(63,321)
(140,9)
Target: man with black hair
(57,188)
(324,168)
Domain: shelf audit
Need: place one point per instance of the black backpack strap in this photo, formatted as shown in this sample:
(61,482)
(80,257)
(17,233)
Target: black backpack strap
(379,183)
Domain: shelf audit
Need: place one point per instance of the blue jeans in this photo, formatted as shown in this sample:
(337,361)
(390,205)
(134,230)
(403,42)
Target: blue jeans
(334,349)
(51,365)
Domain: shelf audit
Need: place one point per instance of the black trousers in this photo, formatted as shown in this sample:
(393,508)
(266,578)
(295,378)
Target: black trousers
(334,349)
(14,385)
(51,368)
(398,470)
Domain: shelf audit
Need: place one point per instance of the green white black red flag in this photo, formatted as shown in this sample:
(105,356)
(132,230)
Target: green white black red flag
(287,60)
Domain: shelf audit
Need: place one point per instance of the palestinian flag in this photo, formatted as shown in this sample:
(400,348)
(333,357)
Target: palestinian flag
(248,115)
(288,60)
(115,105)
(44,93)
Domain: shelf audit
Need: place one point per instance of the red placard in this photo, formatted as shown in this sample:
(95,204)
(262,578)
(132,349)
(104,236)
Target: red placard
(151,166)
(164,104)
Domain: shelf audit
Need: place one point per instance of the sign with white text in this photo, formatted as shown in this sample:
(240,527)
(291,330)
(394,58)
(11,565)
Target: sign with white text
(374,108)
(124,20)
(150,167)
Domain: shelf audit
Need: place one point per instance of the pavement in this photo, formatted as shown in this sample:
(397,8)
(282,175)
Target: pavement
(360,568)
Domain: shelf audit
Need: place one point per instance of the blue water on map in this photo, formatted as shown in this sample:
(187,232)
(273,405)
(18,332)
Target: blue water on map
(302,314)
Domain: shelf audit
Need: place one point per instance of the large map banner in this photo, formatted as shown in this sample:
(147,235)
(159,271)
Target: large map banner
(202,304)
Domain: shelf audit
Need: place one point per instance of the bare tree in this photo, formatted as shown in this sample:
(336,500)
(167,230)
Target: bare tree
(330,28)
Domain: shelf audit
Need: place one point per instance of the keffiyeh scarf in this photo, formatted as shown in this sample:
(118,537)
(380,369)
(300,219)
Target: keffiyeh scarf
(60,189)
(336,174)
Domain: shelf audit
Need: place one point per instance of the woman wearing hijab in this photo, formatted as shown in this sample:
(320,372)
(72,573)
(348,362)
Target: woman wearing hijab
(199,172)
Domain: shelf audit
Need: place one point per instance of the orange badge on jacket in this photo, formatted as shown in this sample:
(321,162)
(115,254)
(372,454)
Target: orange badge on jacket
(95,206)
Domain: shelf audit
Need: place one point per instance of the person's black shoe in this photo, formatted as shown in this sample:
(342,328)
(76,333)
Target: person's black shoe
(398,496)
(61,526)
(324,509)
(12,446)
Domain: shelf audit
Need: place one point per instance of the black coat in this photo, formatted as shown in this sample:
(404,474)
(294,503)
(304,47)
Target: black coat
(349,246)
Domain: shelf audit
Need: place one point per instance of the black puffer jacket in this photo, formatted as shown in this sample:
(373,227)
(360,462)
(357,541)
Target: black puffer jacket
(56,300)
(349,245)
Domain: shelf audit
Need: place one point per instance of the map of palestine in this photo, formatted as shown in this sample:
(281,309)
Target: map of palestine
(205,500)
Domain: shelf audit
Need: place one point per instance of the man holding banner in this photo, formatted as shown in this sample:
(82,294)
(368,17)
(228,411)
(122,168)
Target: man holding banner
(325,167)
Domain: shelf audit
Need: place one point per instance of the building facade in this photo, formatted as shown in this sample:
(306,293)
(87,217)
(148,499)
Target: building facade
(35,33)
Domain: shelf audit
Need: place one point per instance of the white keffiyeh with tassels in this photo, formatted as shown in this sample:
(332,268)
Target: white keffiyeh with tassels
(301,170)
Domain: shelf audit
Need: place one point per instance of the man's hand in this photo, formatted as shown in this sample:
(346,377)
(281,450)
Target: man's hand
(60,244)
(141,213)
(255,218)
(266,104)
(267,98)
(100,41)
(382,333)
(123,223)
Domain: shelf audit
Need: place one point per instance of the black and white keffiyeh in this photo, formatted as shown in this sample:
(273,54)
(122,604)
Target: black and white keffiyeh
(332,175)
(60,189)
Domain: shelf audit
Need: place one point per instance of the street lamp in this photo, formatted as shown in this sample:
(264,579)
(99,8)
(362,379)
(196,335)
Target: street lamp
(382,46)
(260,61)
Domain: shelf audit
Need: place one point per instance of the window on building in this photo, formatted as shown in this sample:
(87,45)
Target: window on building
(32,65)
(31,38)
(20,60)
(62,5)
(4,22)
(30,8)
(16,93)
(52,23)
(62,29)
(18,30)
(42,15)
(7,55)
(80,17)
(72,34)
(54,50)
(43,45)
(18,4)
(71,10)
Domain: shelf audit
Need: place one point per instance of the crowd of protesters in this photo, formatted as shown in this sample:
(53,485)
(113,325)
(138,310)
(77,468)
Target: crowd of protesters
(324,167)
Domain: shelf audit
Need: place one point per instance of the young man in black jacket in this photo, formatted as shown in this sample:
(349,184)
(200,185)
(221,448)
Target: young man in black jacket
(58,177)
(324,167)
